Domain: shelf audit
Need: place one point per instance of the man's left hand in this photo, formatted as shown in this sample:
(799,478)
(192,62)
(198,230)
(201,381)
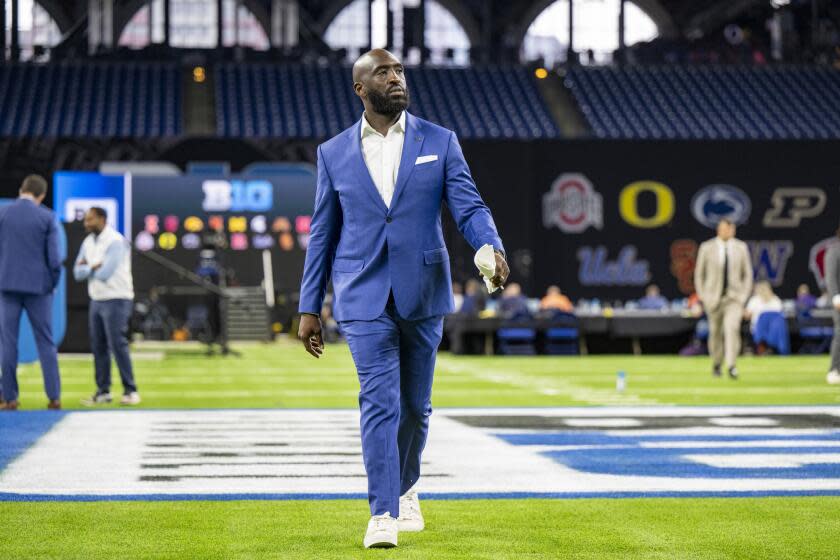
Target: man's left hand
(502,271)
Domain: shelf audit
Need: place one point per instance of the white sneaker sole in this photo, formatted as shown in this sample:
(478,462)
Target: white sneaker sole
(380,541)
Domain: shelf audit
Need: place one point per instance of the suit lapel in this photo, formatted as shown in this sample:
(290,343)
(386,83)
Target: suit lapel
(411,149)
(361,169)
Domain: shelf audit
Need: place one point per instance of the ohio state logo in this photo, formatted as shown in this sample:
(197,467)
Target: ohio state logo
(573,205)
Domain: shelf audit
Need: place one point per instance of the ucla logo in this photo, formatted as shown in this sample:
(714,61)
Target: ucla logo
(769,260)
(237,196)
(715,202)
(597,270)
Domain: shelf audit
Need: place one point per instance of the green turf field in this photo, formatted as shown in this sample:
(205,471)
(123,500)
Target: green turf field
(667,529)
(282,375)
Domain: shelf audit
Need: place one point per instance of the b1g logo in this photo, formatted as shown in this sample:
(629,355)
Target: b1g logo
(237,196)
(628,204)
(715,202)
(791,205)
(573,205)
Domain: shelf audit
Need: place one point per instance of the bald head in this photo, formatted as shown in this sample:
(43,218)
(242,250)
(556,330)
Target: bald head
(379,81)
(365,64)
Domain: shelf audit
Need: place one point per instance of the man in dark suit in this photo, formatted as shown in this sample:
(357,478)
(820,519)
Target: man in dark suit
(832,282)
(30,266)
(376,230)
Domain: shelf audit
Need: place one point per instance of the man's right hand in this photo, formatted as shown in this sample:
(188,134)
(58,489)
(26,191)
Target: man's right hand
(309,332)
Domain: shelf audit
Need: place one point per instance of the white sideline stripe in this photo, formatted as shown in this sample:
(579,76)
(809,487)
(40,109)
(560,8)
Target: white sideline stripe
(764,461)
(602,422)
(735,421)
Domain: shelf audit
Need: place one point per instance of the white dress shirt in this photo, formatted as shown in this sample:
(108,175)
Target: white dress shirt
(383,154)
(723,249)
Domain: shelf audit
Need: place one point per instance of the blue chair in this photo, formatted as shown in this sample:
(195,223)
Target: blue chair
(515,339)
(815,335)
(562,339)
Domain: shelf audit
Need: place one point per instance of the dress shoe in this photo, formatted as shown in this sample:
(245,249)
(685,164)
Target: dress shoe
(10,405)
(54,405)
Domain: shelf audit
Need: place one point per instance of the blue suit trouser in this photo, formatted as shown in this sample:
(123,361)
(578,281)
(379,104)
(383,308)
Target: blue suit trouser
(38,308)
(395,361)
(108,322)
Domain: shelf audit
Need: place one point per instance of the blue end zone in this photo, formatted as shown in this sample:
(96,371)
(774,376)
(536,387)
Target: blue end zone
(20,430)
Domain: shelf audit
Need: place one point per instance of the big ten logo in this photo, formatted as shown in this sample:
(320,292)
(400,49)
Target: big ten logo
(769,260)
(683,261)
(660,213)
(237,196)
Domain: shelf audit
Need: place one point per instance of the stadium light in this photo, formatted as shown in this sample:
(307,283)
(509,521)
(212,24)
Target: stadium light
(198,74)
(541,73)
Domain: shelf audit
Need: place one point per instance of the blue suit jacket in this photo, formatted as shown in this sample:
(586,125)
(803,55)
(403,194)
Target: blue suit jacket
(29,258)
(372,250)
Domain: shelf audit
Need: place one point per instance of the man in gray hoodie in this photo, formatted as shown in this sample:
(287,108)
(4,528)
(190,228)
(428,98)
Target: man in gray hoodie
(832,283)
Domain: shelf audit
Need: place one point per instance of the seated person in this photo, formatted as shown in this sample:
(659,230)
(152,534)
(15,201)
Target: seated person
(457,296)
(555,300)
(805,301)
(475,298)
(513,303)
(653,299)
(762,301)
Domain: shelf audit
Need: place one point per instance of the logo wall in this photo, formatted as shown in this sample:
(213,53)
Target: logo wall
(791,205)
(715,202)
(573,205)
(628,204)
(769,260)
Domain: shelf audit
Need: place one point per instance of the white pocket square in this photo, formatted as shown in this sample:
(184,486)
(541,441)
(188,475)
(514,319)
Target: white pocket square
(425,159)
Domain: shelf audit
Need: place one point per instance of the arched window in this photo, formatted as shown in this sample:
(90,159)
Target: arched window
(193,25)
(445,38)
(36,28)
(595,30)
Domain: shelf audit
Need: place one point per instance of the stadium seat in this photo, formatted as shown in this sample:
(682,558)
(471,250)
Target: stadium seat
(708,102)
(92,99)
(295,100)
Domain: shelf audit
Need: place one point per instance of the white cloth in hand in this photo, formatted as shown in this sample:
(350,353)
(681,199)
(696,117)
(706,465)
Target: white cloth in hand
(485,261)
(835,301)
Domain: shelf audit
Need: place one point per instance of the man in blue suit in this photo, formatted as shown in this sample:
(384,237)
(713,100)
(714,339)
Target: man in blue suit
(376,229)
(30,266)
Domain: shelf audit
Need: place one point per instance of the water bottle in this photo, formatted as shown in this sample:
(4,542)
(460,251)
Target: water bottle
(621,382)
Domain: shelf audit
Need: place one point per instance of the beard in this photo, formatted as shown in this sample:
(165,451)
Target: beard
(387,105)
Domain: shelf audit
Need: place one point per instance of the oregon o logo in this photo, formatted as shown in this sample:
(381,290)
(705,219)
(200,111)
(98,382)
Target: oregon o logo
(628,204)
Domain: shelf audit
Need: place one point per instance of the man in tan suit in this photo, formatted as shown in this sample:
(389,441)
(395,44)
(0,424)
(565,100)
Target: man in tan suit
(723,279)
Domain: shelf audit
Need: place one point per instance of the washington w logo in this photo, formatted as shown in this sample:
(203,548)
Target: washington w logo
(769,260)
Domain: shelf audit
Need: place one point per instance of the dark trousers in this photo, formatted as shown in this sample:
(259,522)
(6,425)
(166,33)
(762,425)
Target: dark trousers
(109,335)
(395,361)
(835,343)
(38,308)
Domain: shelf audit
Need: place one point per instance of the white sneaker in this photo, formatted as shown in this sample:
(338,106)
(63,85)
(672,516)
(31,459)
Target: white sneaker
(381,532)
(97,399)
(833,377)
(411,518)
(130,399)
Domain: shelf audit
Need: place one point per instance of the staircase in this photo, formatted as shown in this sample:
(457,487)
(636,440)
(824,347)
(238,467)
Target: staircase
(245,314)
